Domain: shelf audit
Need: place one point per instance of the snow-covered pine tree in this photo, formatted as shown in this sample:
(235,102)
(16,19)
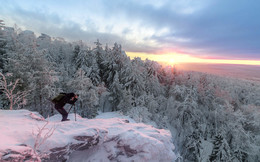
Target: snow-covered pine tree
(113,62)
(10,51)
(221,150)
(35,72)
(94,75)
(45,45)
(2,46)
(182,112)
(151,104)
(99,54)
(118,56)
(88,95)
(19,60)
(81,61)
(136,78)
(116,92)
(86,60)
(93,68)
(125,73)
(126,101)
(42,82)
(75,53)
(108,69)
(152,84)
(193,147)
(3,58)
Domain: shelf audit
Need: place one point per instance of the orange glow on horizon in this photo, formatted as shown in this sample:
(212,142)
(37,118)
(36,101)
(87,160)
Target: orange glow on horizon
(176,58)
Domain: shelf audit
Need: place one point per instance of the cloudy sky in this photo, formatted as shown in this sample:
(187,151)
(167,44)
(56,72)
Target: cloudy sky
(183,29)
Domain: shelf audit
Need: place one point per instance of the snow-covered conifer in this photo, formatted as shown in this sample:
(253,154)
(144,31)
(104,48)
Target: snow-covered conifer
(116,92)
(126,101)
(221,150)
(2,46)
(88,95)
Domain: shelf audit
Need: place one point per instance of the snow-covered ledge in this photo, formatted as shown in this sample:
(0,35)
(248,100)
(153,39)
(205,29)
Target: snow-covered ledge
(113,139)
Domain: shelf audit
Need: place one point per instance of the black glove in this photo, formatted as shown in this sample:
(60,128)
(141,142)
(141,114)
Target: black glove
(72,101)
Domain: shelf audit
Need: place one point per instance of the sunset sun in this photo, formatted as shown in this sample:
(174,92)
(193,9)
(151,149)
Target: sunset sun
(172,61)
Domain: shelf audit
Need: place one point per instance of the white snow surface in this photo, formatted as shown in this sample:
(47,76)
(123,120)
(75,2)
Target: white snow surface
(110,115)
(148,143)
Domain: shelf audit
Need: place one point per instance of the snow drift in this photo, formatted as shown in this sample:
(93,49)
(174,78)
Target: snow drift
(113,139)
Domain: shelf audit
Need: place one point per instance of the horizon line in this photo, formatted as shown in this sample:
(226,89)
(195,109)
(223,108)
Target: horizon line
(177,58)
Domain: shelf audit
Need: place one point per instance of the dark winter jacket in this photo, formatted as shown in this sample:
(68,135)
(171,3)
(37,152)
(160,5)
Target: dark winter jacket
(66,99)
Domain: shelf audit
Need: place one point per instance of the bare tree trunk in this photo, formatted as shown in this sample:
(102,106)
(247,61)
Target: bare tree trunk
(11,103)
(35,105)
(41,112)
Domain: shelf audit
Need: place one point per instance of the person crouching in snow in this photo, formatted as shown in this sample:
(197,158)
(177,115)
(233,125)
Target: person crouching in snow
(65,98)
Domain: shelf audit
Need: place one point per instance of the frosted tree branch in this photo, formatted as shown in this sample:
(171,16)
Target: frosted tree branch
(17,98)
(42,135)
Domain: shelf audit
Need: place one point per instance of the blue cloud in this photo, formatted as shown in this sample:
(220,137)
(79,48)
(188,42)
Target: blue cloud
(221,28)
(214,28)
(44,21)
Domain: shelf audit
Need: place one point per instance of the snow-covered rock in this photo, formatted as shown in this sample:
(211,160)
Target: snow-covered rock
(112,139)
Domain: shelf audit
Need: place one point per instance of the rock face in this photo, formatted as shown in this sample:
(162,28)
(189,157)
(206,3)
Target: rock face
(24,153)
(124,146)
(112,139)
(62,153)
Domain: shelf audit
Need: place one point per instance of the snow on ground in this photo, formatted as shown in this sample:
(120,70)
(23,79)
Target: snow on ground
(109,115)
(119,137)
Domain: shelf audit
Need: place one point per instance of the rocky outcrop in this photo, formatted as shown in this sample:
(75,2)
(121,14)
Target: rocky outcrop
(82,143)
(112,139)
(20,153)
